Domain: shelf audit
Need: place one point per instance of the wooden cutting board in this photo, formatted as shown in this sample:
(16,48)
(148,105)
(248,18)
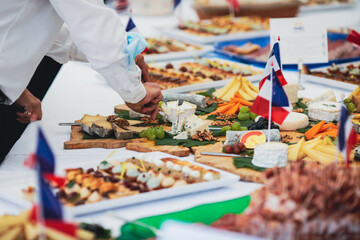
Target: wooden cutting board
(225,163)
(145,145)
(77,142)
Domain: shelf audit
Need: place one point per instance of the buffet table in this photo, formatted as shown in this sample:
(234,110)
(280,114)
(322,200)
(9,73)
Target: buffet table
(78,89)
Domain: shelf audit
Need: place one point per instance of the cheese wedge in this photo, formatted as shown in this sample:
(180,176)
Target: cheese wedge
(293,154)
(121,133)
(328,96)
(102,128)
(87,121)
(295,121)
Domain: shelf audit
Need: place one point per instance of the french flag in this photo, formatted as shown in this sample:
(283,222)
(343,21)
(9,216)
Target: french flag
(272,91)
(346,135)
(45,159)
(274,58)
(176,3)
(354,37)
(48,210)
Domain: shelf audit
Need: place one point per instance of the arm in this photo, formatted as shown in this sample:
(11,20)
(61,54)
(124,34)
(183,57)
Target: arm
(100,35)
(64,49)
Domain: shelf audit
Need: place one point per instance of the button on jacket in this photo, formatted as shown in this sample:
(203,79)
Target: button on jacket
(31,29)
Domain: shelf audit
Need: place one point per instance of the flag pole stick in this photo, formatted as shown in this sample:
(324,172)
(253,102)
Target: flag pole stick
(180,15)
(300,66)
(270,101)
(231,10)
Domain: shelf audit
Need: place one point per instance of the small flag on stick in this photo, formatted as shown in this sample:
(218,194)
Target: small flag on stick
(346,135)
(354,37)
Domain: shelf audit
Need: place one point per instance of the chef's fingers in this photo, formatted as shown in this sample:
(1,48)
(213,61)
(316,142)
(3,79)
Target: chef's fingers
(154,114)
(140,61)
(23,117)
(149,108)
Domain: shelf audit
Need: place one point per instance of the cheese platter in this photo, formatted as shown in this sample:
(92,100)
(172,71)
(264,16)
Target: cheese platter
(219,29)
(198,73)
(165,48)
(345,75)
(117,183)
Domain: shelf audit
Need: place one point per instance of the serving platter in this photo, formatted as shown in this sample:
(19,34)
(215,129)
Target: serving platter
(264,41)
(11,190)
(327,81)
(208,84)
(327,7)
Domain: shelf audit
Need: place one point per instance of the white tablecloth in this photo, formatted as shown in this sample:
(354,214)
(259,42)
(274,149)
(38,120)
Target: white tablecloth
(78,90)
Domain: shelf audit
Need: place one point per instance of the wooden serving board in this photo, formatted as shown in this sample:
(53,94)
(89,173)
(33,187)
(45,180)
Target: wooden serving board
(226,163)
(145,145)
(77,142)
(121,107)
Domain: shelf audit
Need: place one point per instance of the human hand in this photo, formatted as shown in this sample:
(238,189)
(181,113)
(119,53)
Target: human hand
(149,104)
(139,60)
(31,106)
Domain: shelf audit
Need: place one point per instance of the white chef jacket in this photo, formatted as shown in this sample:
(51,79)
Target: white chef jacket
(31,29)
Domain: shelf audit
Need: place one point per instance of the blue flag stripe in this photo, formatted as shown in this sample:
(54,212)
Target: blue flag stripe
(44,155)
(130,25)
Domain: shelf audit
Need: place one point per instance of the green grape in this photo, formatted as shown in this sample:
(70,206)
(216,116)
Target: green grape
(244,109)
(142,134)
(351,107)
(160,103)
(160,134)
(152,137)
(253,115)
(244,116)
(236,126)
(243,129)
(225,128)
(347,100)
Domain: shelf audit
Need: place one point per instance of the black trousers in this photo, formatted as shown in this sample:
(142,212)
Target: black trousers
(10,129)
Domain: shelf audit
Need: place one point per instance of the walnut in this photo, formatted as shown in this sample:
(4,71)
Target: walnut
(224,117)
(147,120)
(286,138)
(299,110)
(111,118)
(212,100)
(118,121)
(203,136)
(222,123)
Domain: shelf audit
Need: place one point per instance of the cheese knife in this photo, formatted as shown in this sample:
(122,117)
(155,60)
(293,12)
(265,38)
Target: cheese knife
(69,124)
(224,154)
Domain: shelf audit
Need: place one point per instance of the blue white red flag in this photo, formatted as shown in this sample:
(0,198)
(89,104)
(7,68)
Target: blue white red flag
(346,135)
(45,160)
(176,3)
(130,26)
(274,58)
(273,91)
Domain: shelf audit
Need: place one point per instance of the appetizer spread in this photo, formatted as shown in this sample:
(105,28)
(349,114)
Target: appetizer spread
(20,227)
(160,45)
(337,49)
(200,71)
(349,73)
(302,201)
(115,179)
(225,25)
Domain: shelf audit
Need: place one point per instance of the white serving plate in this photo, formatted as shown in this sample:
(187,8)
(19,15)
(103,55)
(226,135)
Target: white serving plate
(179,34)
(326,7)
(178,55)
(330,82)
(207,85)
(11,191)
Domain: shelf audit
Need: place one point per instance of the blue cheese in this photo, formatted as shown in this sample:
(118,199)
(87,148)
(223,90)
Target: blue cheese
(182,135)
(194,123)
(175,112)
(328,96)
(270,154)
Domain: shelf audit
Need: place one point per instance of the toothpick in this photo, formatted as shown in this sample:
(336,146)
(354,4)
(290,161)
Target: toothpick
(270,102)
(112,153)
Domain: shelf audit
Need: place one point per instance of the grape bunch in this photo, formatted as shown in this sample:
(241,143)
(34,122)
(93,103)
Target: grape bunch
(153,133)
(349,105)
(262,123)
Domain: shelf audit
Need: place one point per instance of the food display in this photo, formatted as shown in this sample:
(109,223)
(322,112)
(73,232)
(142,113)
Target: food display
(325,2)
(161,45)
(287,208)
(20,227)
(225,25)
(337,49)
(115,179)
(201,70)
(349,73)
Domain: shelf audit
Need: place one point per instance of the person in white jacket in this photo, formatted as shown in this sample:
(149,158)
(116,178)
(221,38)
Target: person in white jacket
(31,29)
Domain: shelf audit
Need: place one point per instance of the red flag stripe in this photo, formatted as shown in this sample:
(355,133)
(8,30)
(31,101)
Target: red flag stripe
(354,37)
(261,107)
(30,161)
(351,141)
(280,77)
(63,227)
(54,180)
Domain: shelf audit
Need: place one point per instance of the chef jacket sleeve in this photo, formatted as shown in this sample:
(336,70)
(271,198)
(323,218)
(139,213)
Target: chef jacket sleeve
(64,49)
(98,32)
